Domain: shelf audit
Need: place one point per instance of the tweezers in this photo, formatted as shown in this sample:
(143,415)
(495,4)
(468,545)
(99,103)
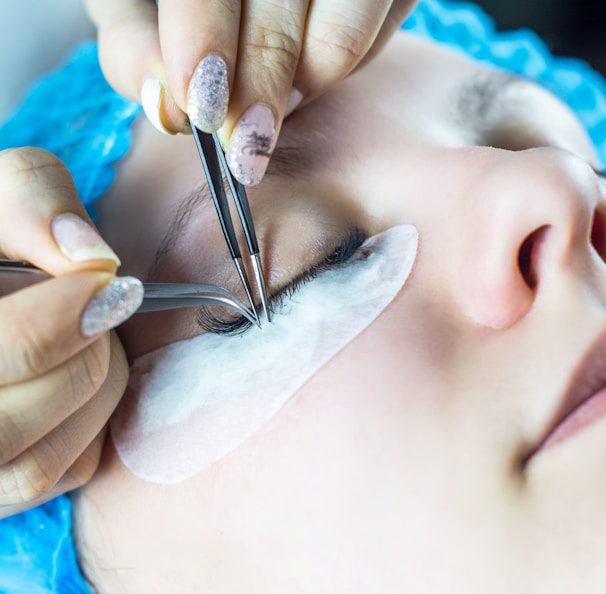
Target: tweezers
(156,296)
(211,152)
(215,165)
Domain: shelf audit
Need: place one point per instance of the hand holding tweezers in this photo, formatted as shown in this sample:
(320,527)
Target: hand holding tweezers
(156,297)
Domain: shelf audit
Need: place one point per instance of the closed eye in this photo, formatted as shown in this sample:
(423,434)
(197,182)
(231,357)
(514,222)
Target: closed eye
(210,320)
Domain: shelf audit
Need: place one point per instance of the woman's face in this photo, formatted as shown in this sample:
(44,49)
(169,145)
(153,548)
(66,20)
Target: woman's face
(436,451)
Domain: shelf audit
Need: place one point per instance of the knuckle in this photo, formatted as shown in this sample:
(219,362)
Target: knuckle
(83,471)
(119,56)
(274,50)
(340,45)
(12,439)
(87,372)
(15,161)
(27,161)
(27,353)
(111,35)
(84,468)
(27,480)
(27,356)
(26,170)
(229,9)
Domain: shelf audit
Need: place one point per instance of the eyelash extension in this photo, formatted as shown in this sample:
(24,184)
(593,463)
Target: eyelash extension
(210,321)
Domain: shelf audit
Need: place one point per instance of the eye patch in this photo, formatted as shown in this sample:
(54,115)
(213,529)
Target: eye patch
(192,402)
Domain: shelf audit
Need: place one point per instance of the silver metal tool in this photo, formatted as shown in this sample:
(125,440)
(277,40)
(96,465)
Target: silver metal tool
(215,166)
(16,275)
(210,151)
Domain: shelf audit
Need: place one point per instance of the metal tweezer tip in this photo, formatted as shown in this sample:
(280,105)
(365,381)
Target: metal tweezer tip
(244,279)
(260,281)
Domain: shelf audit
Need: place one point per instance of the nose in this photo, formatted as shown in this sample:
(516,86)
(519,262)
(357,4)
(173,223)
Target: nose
(530,217)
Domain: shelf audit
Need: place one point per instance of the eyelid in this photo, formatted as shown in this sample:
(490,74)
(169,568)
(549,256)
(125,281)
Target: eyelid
(211,320)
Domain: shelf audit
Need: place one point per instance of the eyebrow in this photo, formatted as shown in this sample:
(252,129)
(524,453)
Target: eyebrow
(193,200)
(210,320)
(475,101)
(481,94)
(287,161)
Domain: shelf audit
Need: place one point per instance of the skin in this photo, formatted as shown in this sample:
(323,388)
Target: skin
(58,387)
(268,47)
(411,461)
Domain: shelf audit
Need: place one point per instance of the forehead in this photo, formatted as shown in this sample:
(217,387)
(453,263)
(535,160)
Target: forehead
(415,91)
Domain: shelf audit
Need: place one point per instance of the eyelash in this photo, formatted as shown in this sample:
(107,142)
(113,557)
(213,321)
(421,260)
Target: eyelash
(210,321)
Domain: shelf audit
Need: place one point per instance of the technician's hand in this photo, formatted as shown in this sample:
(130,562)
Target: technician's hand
(239,66)
(62,372)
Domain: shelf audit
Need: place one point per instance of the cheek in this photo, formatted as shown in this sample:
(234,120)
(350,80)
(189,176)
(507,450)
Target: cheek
(342,478)
(348,476)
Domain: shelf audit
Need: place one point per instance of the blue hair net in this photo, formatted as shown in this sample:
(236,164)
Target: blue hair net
(466,27)
(75,114)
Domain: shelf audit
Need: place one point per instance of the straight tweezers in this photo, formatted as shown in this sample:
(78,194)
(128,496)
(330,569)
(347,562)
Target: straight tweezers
(215,165)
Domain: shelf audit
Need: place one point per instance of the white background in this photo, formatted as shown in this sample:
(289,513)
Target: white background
(35,35)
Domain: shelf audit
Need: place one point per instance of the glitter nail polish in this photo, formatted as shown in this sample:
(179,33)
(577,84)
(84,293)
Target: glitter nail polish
(112,305)
(252,144)
(208,94)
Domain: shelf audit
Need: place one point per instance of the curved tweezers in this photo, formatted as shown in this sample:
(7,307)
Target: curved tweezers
(160,296)
(16,275)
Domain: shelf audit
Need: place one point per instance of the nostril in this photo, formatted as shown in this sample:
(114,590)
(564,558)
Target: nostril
(525,262)
(598,233)
(528,257)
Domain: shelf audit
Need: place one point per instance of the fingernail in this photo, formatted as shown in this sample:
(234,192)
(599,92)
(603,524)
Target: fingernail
(296,96)
(152,94)
(208,94)
(79,241)
(252,144)
(112,305)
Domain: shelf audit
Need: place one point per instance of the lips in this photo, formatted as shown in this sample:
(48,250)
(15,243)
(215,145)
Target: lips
(583,402)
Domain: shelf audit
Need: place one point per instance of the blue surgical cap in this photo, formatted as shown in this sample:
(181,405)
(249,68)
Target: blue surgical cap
(75,114)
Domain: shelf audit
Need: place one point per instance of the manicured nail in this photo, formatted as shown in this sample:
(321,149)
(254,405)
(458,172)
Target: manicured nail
(112,305)
(152,95)
(295,98)
(79,241)
(252,144)
(208,94)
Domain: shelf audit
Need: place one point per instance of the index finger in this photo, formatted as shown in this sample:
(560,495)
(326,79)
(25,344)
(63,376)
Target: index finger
(42,221)
(340,38)
(39,205)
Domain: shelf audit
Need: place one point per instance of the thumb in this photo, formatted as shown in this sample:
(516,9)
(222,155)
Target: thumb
(42,220)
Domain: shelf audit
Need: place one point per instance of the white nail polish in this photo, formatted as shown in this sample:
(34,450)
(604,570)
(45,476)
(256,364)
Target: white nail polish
(79,241)
(208,94)
(294,100)
(152,93)
(112,305)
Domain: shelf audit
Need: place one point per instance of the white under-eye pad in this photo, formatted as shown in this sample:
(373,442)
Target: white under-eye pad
(193,401)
